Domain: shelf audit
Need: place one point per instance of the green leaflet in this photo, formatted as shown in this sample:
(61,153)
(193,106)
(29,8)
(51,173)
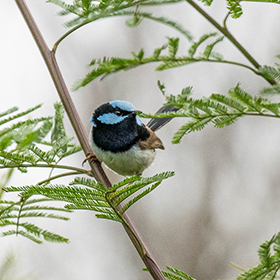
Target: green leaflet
(23,145)
(207,2)
(176,274)
(12,212)
(234,8)
(80,194)
(88,11)
(26,134)
(269,257)
(218,109)
(166,54)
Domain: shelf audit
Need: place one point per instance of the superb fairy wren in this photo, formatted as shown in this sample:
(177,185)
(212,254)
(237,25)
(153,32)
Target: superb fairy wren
(120,139)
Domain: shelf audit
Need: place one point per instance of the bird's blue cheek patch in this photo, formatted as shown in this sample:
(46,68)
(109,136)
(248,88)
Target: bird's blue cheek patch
(110,118)
(91,121)
(139,121)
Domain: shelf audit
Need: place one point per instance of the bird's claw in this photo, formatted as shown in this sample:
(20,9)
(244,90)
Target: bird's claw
(91,157)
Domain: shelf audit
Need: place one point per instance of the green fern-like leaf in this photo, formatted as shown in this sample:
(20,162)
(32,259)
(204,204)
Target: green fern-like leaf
(88,11)
(264,252)
(41,155)
(19,115)
(225,120)
(91,196)
(169,23)
(138,197)
(112,217)
(207,2)
(59,147)
(230,102)
(58,131)
(219,109)
(47,235)
(120,195)
(17,158)
(8,112)
(271,90)
(89,183)
(234,8)
(193,125)
(106,66)
(269,265)
(209,48)
(9,211)
(173,44)
(178,62)
(22,233)
(245,98)
(125,182)
(23,124)
(178,274)
(195,45)
(272,72)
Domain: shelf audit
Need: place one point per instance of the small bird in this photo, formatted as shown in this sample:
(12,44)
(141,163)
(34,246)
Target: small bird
(120,139)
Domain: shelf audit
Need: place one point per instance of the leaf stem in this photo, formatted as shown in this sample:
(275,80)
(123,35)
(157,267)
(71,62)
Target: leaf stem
(225,20)
(231,38)
(54,48)
(22,201)
(78,170)
(184,115)
(86,22)
(123,13)
(194,59)
(58,176)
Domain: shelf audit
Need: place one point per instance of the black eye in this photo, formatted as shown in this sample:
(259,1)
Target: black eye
(118,113)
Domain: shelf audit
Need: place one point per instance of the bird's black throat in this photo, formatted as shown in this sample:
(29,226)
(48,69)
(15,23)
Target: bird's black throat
(121,136)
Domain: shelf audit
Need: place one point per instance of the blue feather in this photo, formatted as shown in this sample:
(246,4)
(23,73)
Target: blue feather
(92,121)
(139,121)
(110,118)
(123,105)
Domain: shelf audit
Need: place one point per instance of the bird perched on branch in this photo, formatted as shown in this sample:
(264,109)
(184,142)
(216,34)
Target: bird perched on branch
(120,139)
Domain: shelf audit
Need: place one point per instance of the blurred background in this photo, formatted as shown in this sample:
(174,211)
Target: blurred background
(224,200)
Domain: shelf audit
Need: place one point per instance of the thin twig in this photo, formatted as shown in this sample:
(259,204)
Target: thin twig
(231,38)
(44,165)
(97,170)
(58,176)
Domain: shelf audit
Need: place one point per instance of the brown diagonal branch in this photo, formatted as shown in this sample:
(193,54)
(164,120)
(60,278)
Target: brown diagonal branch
(97,170)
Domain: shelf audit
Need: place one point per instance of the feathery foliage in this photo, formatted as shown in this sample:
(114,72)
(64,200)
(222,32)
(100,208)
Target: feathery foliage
(235,8)
(91,10)
(273,73)
(170,59)
(11,214)
(18,135)
(23,145)
(176,274)
(268,267)
(269,261)
(86,11)
(86,194)
(218,109)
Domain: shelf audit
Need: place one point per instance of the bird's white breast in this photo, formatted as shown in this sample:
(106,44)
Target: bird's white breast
(128,163)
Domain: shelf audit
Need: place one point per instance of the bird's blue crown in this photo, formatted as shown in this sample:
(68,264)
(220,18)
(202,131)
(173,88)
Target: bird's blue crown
(123,105)
(112,118)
